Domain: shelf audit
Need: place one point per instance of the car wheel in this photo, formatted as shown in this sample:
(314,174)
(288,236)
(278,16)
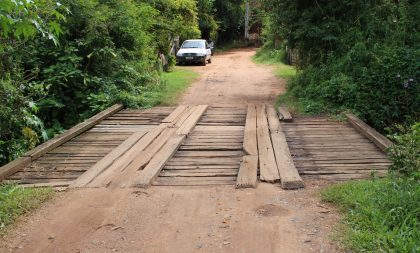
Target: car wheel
(210,60)
(204,62)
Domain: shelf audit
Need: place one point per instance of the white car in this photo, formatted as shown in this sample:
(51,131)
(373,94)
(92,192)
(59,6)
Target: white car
(194,51)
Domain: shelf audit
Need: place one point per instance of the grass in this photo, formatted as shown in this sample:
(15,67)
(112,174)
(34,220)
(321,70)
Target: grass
(275,58)
(15,201)
(174,83)
(380,215)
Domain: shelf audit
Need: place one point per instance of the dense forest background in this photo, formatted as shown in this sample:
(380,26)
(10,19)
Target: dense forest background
(62,61)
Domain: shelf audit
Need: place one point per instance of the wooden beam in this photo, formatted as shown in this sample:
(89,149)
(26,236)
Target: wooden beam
(284,114)
(192,120)
(250,132)
(289,175)
(381,141)
(105,162)
(72,132)
(267,160)
(123,161)
(175,114)
(247,175)
(152,170)
(14,166)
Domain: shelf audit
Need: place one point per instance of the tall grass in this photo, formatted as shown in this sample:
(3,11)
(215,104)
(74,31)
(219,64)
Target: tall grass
(15,201)
(381,215)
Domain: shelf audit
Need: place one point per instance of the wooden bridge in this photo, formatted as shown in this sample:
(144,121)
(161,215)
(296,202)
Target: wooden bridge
(202,145)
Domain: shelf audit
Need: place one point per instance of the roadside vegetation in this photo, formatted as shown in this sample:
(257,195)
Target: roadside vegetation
(383,215)
(363,57)
(61,61)
(276,58)
(15,201)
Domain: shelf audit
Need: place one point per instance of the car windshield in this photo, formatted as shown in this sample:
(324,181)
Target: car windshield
(193,44)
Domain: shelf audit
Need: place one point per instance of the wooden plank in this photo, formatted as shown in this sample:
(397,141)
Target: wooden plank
(14,166)
(175,114)
(152,170)
(247,175)
(381,141)
(72,132)
(267,161)
(105,162)
(48,184)
(192,120)
(250,132)
(289,176)
(124,160)
(284,114)
(144,157)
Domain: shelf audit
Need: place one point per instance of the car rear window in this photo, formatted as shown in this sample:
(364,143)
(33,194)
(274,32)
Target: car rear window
(193,44)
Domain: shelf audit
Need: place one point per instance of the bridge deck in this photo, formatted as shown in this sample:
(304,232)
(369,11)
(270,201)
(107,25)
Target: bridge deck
(211,151)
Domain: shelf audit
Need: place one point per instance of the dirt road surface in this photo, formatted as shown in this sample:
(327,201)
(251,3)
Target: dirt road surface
(233,78)
(187,219)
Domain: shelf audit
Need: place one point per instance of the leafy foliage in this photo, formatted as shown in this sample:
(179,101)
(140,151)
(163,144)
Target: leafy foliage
(62,62)
(405,154)
(353,55)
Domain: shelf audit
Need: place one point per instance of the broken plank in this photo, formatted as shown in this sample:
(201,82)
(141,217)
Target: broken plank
(152,170)
(284,114)
(289,176)
(247,175)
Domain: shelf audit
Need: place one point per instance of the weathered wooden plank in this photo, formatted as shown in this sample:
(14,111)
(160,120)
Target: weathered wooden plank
(247,175)
(123,161)
(284,114)
(151,171)
(267,161)
(192,120)
(175,114)
(14,166)
(72,132)
(381,141)
(250,132)
(289,176)
(105,162)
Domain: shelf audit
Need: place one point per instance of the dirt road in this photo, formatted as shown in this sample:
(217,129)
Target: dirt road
(186,219)
(233,78)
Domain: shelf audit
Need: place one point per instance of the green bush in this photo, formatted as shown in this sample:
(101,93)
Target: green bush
(405,154)
(106,52)
(361,56)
